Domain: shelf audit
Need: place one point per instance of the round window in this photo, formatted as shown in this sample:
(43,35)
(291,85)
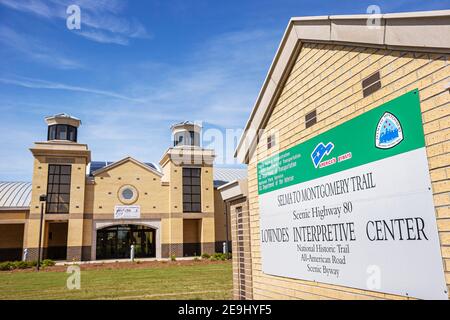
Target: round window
(127,194)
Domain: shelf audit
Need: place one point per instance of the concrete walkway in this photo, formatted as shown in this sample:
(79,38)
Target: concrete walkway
(67,263)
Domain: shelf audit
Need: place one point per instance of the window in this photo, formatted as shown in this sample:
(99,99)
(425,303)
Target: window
(127,194)
(186,138)
(371,84)
(192,190)
(62,132)
(311,119)
(58,188)
(178,141)
(270,141)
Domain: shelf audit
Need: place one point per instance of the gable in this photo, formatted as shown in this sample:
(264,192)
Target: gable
(414,32)
(124,165)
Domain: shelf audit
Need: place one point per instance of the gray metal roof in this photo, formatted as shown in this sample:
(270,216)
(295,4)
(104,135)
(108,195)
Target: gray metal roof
(15,195)
(97,165)
(225,175)
(221,175)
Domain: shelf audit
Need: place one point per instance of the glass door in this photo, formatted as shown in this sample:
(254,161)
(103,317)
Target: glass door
(115,242)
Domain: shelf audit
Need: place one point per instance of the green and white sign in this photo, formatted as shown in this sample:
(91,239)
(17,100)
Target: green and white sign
(354,207)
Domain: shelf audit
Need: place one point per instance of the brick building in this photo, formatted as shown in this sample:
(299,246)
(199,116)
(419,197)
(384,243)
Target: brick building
(96,210)
(336,72)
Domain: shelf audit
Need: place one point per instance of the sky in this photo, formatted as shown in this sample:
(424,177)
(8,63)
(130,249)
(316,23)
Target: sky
(136,67)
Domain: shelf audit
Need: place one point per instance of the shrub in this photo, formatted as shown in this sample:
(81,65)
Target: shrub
(196,259)
(12,265)
(205,256)
(173,257)
(6,266)
(47,263)
(20,265)
(218,256)
(32,263)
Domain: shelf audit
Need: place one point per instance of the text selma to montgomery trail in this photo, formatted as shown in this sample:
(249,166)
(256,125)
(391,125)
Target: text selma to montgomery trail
(408,228)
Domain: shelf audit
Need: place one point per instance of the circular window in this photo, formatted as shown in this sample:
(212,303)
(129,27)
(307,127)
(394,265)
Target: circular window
(128,194)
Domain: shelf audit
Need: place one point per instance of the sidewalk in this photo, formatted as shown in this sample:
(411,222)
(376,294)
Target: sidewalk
(67,263)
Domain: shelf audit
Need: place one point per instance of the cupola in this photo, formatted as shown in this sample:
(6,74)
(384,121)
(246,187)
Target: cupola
(62,127)
(186,134)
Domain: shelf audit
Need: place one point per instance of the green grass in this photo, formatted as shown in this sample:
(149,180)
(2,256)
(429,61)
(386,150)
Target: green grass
(202,281)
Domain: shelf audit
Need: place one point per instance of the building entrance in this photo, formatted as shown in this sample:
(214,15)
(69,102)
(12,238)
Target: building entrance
(115,242)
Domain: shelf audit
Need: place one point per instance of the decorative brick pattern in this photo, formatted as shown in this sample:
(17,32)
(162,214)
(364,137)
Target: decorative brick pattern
(167,250)
(208,247)
(74,253)
(86,253)
(219,246)
(33,254)
(242,257)
(177,249)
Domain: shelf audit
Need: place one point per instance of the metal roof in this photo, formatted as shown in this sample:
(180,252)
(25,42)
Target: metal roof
(97,165)
(225,175)
(221,175)
(184,123)
(15,195)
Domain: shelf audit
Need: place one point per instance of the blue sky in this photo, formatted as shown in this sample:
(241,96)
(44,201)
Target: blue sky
(136,67)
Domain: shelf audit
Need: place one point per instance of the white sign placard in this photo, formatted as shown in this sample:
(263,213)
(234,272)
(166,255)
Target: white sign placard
(354,239)
(354,207)
(127,212)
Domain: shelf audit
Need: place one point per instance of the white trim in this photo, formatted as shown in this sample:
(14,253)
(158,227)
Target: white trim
(233,190)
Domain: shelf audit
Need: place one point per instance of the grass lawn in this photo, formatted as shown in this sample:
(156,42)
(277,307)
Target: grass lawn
(154,280)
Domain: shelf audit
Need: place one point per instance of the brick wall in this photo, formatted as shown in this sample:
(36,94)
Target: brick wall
(242,260)
(328,78)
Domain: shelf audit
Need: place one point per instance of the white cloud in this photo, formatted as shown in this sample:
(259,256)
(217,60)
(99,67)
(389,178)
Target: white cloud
(36,7)
(217,83)
(35,50)
(42,84)
(102,37)
(100,19)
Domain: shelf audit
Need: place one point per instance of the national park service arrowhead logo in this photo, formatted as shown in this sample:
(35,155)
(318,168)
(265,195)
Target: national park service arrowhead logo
(389,132)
